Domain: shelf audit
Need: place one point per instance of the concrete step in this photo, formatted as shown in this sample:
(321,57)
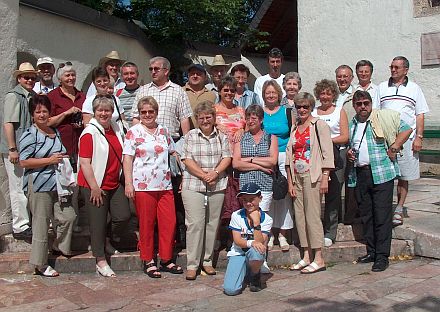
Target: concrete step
(14,262)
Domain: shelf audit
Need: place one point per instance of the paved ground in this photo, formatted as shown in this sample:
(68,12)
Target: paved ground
(412,285)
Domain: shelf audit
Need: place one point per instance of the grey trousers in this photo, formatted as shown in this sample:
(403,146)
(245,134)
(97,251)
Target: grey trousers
(45,206)
(116,203)
(201,226)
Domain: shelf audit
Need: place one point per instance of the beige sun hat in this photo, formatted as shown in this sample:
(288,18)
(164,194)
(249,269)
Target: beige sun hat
(218,60)
(111,56)
(24,68)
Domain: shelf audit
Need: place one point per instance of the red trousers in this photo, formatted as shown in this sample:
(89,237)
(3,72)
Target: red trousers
(152,206)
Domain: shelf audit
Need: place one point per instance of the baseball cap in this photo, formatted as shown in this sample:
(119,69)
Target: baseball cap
(198,67)
(250,188)
(44,60)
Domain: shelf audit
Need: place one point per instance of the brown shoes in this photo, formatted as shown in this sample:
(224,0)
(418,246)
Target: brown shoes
(209,270)
(191,275)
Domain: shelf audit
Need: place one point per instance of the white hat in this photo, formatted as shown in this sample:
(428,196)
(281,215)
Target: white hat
(44,60)
(218,60)
(24,68)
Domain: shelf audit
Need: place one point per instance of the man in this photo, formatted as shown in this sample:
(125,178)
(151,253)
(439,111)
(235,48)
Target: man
(16,118)
(195,88)
(127,95)
(250,228)
(406,97)
(111,63)
(46,70)
(364,71)
(275,62)
(344,77)
(217,70)
(376,137)
(243,96)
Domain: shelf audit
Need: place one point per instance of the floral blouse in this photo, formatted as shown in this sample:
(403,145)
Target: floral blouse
(232,122)
(151,170)
(301,151)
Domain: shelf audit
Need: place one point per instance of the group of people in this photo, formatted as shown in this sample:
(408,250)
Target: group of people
(203,156)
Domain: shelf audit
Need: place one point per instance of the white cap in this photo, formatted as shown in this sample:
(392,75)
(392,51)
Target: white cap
(44,60)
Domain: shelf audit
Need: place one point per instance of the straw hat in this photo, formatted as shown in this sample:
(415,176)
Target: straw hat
(219,61)
(25,68)
(111,56)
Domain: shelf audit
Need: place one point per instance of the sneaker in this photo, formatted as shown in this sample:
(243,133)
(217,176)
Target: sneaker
(284,245)
(264,268)
(25,235)
(327,242)
(255,283)
(270,243)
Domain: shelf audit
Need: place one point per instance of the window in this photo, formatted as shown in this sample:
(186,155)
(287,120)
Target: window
(435,3)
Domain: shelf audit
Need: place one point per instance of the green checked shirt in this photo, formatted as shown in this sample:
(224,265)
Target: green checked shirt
(382,168)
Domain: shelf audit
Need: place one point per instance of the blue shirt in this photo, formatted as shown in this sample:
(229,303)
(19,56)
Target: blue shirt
(277,124)
(247,99)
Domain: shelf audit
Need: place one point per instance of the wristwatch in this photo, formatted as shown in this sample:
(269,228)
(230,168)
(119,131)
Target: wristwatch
(13,149)
(394,150)
(257,228)
(216,171)
(420,136)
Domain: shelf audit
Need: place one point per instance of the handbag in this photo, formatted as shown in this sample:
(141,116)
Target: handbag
(279,184)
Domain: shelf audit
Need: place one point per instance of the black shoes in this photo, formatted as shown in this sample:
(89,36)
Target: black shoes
(255,282)
(380,265)
(366,259)
(25,235)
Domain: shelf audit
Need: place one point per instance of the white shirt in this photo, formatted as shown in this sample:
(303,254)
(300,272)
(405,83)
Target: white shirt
(363,158)
(240,223)
(119,84)
(88,107)
(39,89)
(258,86)
(343,96)
(333,120)
(373,90)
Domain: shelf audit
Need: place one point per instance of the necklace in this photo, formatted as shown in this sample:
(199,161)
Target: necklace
(150,130)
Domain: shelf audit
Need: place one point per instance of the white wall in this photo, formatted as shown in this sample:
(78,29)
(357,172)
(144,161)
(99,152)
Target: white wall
(44,34)
(342,32)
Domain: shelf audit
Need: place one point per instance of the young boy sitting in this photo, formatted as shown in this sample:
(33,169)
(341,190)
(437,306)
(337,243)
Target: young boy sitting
(250,229)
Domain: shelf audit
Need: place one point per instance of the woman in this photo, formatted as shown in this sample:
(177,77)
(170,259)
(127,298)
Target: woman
(255,157)
(230,120)
(41,150)
(66,104)
(148,180)
(104,85)
(276,122)
(100,166)
(336,118)
(206,156)
(292,85)
(309,159)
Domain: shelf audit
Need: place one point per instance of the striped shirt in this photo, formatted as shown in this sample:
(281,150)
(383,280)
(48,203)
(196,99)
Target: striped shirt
(127,100)
(35,144)
(250,149)
(173,105)
(207,152)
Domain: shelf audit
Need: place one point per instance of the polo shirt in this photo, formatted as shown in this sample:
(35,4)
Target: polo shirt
(240,224)
(88,107)
(373,90)
(195,98)
(127,97)
(343,97)
(258,86)
(407,99)
(68,132)
(247,99)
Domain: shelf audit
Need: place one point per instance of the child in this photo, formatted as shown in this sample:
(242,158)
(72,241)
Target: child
(250,229)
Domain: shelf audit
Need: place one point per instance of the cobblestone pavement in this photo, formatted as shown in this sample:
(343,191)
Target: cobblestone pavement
(412,285)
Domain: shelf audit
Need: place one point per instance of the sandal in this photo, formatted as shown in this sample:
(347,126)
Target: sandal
(397,218)
(313,268)
(171,268)
(151,270)
(270,243)
(48,272)
(299,266)
(105,271)
(284,245)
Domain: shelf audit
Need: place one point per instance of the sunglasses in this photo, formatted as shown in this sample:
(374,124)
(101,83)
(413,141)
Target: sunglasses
(149,112)
(33,78)
(395,67)
(155,69)
(68,63)
(229,90)
(302,106)
(362,103)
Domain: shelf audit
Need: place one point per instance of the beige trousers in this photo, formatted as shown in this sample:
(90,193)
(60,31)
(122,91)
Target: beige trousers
(45,206)
(201,226)
(307,206)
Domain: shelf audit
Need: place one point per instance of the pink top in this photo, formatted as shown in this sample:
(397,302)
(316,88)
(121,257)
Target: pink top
(228,122)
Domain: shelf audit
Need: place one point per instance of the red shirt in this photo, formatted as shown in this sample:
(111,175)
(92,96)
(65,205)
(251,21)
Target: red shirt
(61,103)
(113,167)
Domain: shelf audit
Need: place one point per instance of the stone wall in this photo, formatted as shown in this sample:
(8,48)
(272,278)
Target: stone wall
(342,32)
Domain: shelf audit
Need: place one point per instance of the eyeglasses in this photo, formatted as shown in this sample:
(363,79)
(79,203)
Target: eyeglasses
(395,67)
(228,90)
(155,69)
(362,103)
(68,63)
(149,112)
(207,118)
(33,78)
(306,107)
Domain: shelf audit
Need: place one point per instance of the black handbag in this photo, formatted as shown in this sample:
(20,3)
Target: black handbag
(279,184)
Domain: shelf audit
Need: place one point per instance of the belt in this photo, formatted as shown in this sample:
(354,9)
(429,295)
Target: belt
(366,167)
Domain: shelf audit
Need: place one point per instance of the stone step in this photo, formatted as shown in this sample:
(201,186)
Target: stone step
(347,233)
(14,262)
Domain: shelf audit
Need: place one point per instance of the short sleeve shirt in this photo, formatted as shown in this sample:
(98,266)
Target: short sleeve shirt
(151,170)
(88,107)
(239,223)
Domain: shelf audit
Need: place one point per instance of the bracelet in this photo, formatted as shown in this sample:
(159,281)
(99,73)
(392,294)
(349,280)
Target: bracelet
(420,136)
(249,243)
(216,171)
(252,160)
(325,173)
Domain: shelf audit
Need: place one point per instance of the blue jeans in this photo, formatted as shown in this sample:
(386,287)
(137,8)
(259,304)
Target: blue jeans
(237,269)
